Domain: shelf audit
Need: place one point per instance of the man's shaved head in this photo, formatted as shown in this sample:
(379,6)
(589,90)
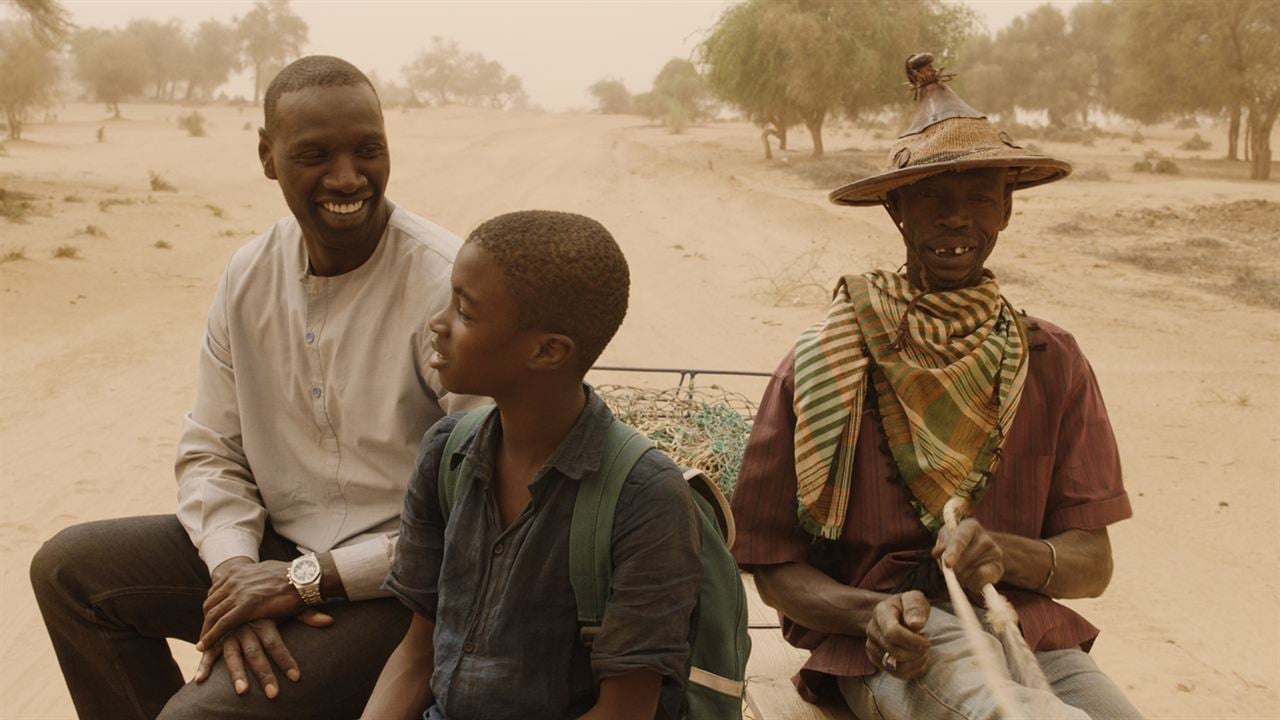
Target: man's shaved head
(310,71)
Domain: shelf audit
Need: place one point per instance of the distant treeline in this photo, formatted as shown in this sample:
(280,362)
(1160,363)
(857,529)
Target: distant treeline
(165,61)
(789,63)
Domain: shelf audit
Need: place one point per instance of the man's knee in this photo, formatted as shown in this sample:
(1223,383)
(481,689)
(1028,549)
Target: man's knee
(58,566)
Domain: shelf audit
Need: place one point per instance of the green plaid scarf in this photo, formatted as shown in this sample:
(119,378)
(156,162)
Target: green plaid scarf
(951,367)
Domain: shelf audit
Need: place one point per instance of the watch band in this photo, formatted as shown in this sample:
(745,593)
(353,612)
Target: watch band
(310,593)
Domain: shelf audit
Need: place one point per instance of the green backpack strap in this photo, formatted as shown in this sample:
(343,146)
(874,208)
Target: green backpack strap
(591,530)
(447,475)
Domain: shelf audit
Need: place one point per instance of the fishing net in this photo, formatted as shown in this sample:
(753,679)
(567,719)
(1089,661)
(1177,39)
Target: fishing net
(699,427)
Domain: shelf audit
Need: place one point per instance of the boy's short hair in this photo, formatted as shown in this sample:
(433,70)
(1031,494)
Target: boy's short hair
(306,72)
(566,272)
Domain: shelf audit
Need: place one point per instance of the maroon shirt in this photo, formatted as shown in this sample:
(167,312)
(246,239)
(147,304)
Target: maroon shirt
(1060,470)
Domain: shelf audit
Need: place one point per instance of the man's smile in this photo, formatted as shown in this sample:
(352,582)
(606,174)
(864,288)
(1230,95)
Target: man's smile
(343,208)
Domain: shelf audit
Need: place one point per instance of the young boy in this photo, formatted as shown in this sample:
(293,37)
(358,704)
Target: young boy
(536,297)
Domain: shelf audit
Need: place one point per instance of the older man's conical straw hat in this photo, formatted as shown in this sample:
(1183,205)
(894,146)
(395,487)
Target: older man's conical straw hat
(947,135)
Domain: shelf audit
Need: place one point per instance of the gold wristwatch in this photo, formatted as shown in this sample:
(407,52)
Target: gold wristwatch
(304,576)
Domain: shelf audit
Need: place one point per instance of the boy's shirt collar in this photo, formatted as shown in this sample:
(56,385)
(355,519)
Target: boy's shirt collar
(579,454)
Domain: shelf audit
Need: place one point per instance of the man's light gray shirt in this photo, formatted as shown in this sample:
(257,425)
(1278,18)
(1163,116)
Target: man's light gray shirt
(313,395)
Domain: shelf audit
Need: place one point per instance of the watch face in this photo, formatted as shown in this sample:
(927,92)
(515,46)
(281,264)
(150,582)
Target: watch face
(304,570)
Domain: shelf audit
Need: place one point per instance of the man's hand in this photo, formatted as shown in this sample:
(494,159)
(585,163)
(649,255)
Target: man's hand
(243,590)
(257,644)
(897,628)
(972,553)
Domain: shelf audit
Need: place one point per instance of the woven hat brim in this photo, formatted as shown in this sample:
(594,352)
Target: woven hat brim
(1036,170)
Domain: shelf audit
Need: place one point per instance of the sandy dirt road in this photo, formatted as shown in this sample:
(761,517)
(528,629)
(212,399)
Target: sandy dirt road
(728,254)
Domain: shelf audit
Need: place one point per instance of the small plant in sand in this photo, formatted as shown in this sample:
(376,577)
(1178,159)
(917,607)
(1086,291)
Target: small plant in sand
(16,206)
(248,126)
(92,230)
(1196,143)
(159,184)
(193,124)
(217,211)
(162,245)
(228,233)
(105,205)
(102,134)
(13,255)
(68,252)
(72,198)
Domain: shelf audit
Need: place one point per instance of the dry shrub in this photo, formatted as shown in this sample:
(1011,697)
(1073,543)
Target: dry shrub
(68,252)
(1196,143)
(704,428)
(92,230)
(162,245)
(193,124)
(217,211)
(15,206)
(798,282)
(72,198)
(105,205)
(13,255)
(159,184)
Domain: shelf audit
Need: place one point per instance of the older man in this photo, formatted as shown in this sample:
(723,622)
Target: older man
(919,386)
(313,394)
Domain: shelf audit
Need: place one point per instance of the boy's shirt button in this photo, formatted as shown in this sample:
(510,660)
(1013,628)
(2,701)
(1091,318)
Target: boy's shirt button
(468,647)
(497,549)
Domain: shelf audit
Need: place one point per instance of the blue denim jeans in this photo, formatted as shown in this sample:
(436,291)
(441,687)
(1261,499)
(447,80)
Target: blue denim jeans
(953,687)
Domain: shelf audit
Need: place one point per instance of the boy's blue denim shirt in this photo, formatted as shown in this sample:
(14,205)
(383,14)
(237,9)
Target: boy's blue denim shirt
(506,633)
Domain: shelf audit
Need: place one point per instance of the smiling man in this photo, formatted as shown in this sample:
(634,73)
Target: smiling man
(920,386)
(313,394)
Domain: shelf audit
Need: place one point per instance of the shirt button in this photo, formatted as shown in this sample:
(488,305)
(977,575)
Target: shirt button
(315,392)
(497,549)
(310,336)
(468,647)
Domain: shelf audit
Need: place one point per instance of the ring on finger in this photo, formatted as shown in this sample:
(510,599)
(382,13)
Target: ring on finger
(889,662)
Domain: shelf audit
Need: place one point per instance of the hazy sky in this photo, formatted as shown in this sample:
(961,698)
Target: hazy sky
(558,48)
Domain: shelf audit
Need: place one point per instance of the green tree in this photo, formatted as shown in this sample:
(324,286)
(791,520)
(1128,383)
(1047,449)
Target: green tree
(111,64)
(271,35)
(612,96)
(438,70)
(50,22)
(214,55)
(683,94)
(807,59)
(745,69)
(28,74)
(1203,55)
(168,55)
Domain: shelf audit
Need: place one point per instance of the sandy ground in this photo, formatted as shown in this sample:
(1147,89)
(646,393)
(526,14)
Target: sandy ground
(728,253)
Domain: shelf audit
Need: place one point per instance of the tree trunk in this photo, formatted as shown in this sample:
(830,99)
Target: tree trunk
(1261,132)
(1233,134)
(814,123)
(257,77)
(764,138)
(115,106)
(14,119)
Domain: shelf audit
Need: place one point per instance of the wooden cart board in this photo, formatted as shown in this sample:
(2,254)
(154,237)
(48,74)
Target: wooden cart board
(770,694)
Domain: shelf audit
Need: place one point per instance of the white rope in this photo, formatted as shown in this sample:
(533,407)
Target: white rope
(1004,620)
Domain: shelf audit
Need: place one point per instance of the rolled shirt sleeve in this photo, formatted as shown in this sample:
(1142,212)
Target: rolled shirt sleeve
(414,573)
(657,572)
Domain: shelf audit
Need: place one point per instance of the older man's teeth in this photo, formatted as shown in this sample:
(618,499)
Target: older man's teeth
(344,209)
(952,251)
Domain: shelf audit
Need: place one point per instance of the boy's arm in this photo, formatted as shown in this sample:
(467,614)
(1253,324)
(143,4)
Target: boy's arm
(631,696)
(403,690)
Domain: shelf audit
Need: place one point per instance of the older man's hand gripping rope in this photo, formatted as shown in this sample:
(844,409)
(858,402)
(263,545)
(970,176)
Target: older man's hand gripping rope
(1004,620)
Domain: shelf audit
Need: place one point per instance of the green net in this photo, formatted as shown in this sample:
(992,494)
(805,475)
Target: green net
(702,427)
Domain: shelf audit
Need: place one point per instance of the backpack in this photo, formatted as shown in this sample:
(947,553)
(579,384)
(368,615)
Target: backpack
(718,639)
